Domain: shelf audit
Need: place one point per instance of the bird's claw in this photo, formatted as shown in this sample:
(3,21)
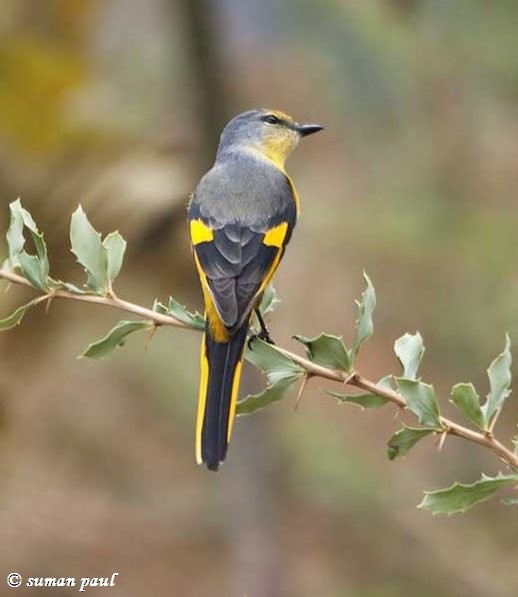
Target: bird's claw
(262,335)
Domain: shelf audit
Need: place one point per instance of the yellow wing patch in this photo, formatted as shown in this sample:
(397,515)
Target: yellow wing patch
(275,236)
(217,329)
(200,232)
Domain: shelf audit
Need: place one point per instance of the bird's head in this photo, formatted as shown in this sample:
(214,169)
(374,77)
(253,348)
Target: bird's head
(269,132)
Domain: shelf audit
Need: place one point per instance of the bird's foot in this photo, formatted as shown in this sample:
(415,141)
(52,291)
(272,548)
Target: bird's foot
(262,335)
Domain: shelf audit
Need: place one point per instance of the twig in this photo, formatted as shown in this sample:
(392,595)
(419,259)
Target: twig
(442,439)
(494,420)
(302,387)
(113,301)
(487,440)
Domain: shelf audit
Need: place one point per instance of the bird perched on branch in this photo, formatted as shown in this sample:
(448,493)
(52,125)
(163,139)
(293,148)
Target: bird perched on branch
(241,217)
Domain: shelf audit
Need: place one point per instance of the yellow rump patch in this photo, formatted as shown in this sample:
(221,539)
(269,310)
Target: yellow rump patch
(200,232)
(218,331)
(275,236)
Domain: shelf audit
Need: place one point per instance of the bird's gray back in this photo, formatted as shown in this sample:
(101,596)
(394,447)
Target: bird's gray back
(243,189)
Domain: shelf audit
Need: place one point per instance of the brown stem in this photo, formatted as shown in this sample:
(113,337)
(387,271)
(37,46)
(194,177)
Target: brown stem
(487,440)
(356,380)
(113,301)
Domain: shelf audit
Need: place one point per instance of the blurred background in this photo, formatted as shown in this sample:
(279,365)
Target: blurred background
(118,104)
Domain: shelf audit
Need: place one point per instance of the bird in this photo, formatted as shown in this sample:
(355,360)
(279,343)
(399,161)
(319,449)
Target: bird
(241,217)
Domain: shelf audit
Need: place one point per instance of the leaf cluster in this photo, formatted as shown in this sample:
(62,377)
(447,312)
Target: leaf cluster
(326,354)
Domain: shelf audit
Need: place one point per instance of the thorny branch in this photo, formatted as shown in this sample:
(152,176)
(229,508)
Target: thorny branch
(487,439)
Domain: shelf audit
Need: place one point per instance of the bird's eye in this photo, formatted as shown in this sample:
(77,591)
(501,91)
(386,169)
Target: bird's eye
(271,119)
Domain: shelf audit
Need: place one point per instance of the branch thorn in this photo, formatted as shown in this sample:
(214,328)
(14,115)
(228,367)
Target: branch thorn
(302,387)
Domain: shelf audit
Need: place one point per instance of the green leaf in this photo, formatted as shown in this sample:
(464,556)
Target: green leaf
(272,393)
(281,372)
(326,350)
(115,247)
(30,266)
(466,399)
(459,497)
(178,311)
(421,401)
(14,236)
(159,307)
(60,285)
(404,439)
(364,324)
(365,400)
(181,313)
(268,304)
(33,267)
(101,259)
(114,338)
(90,251)
(16,316)
(270,300)
(276,365)
(39,243)
(499,373)
(409,350)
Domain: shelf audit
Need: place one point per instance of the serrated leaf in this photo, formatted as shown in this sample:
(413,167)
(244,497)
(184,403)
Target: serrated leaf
(89,250)
(409,350)
(39,243)
(326,350)
(272,393)
(269,301)
(404,439)
(114,338)
(460,497)
(365,311)
(115,247)
(178,311)
(281,372)
(16,316)
(466,399)
(421,400)
(14,236)
(159,307)
(276,365)
(499,373)
(386,382)
(33,267)
(365,400)
(72,288)
(30,266)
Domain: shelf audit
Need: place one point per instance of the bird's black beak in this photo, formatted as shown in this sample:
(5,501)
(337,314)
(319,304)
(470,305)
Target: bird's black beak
(308,129)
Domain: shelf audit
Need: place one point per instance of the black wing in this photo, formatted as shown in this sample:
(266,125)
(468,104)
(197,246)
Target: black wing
(240,259)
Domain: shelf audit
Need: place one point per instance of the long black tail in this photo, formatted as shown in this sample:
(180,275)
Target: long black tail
(219,385)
